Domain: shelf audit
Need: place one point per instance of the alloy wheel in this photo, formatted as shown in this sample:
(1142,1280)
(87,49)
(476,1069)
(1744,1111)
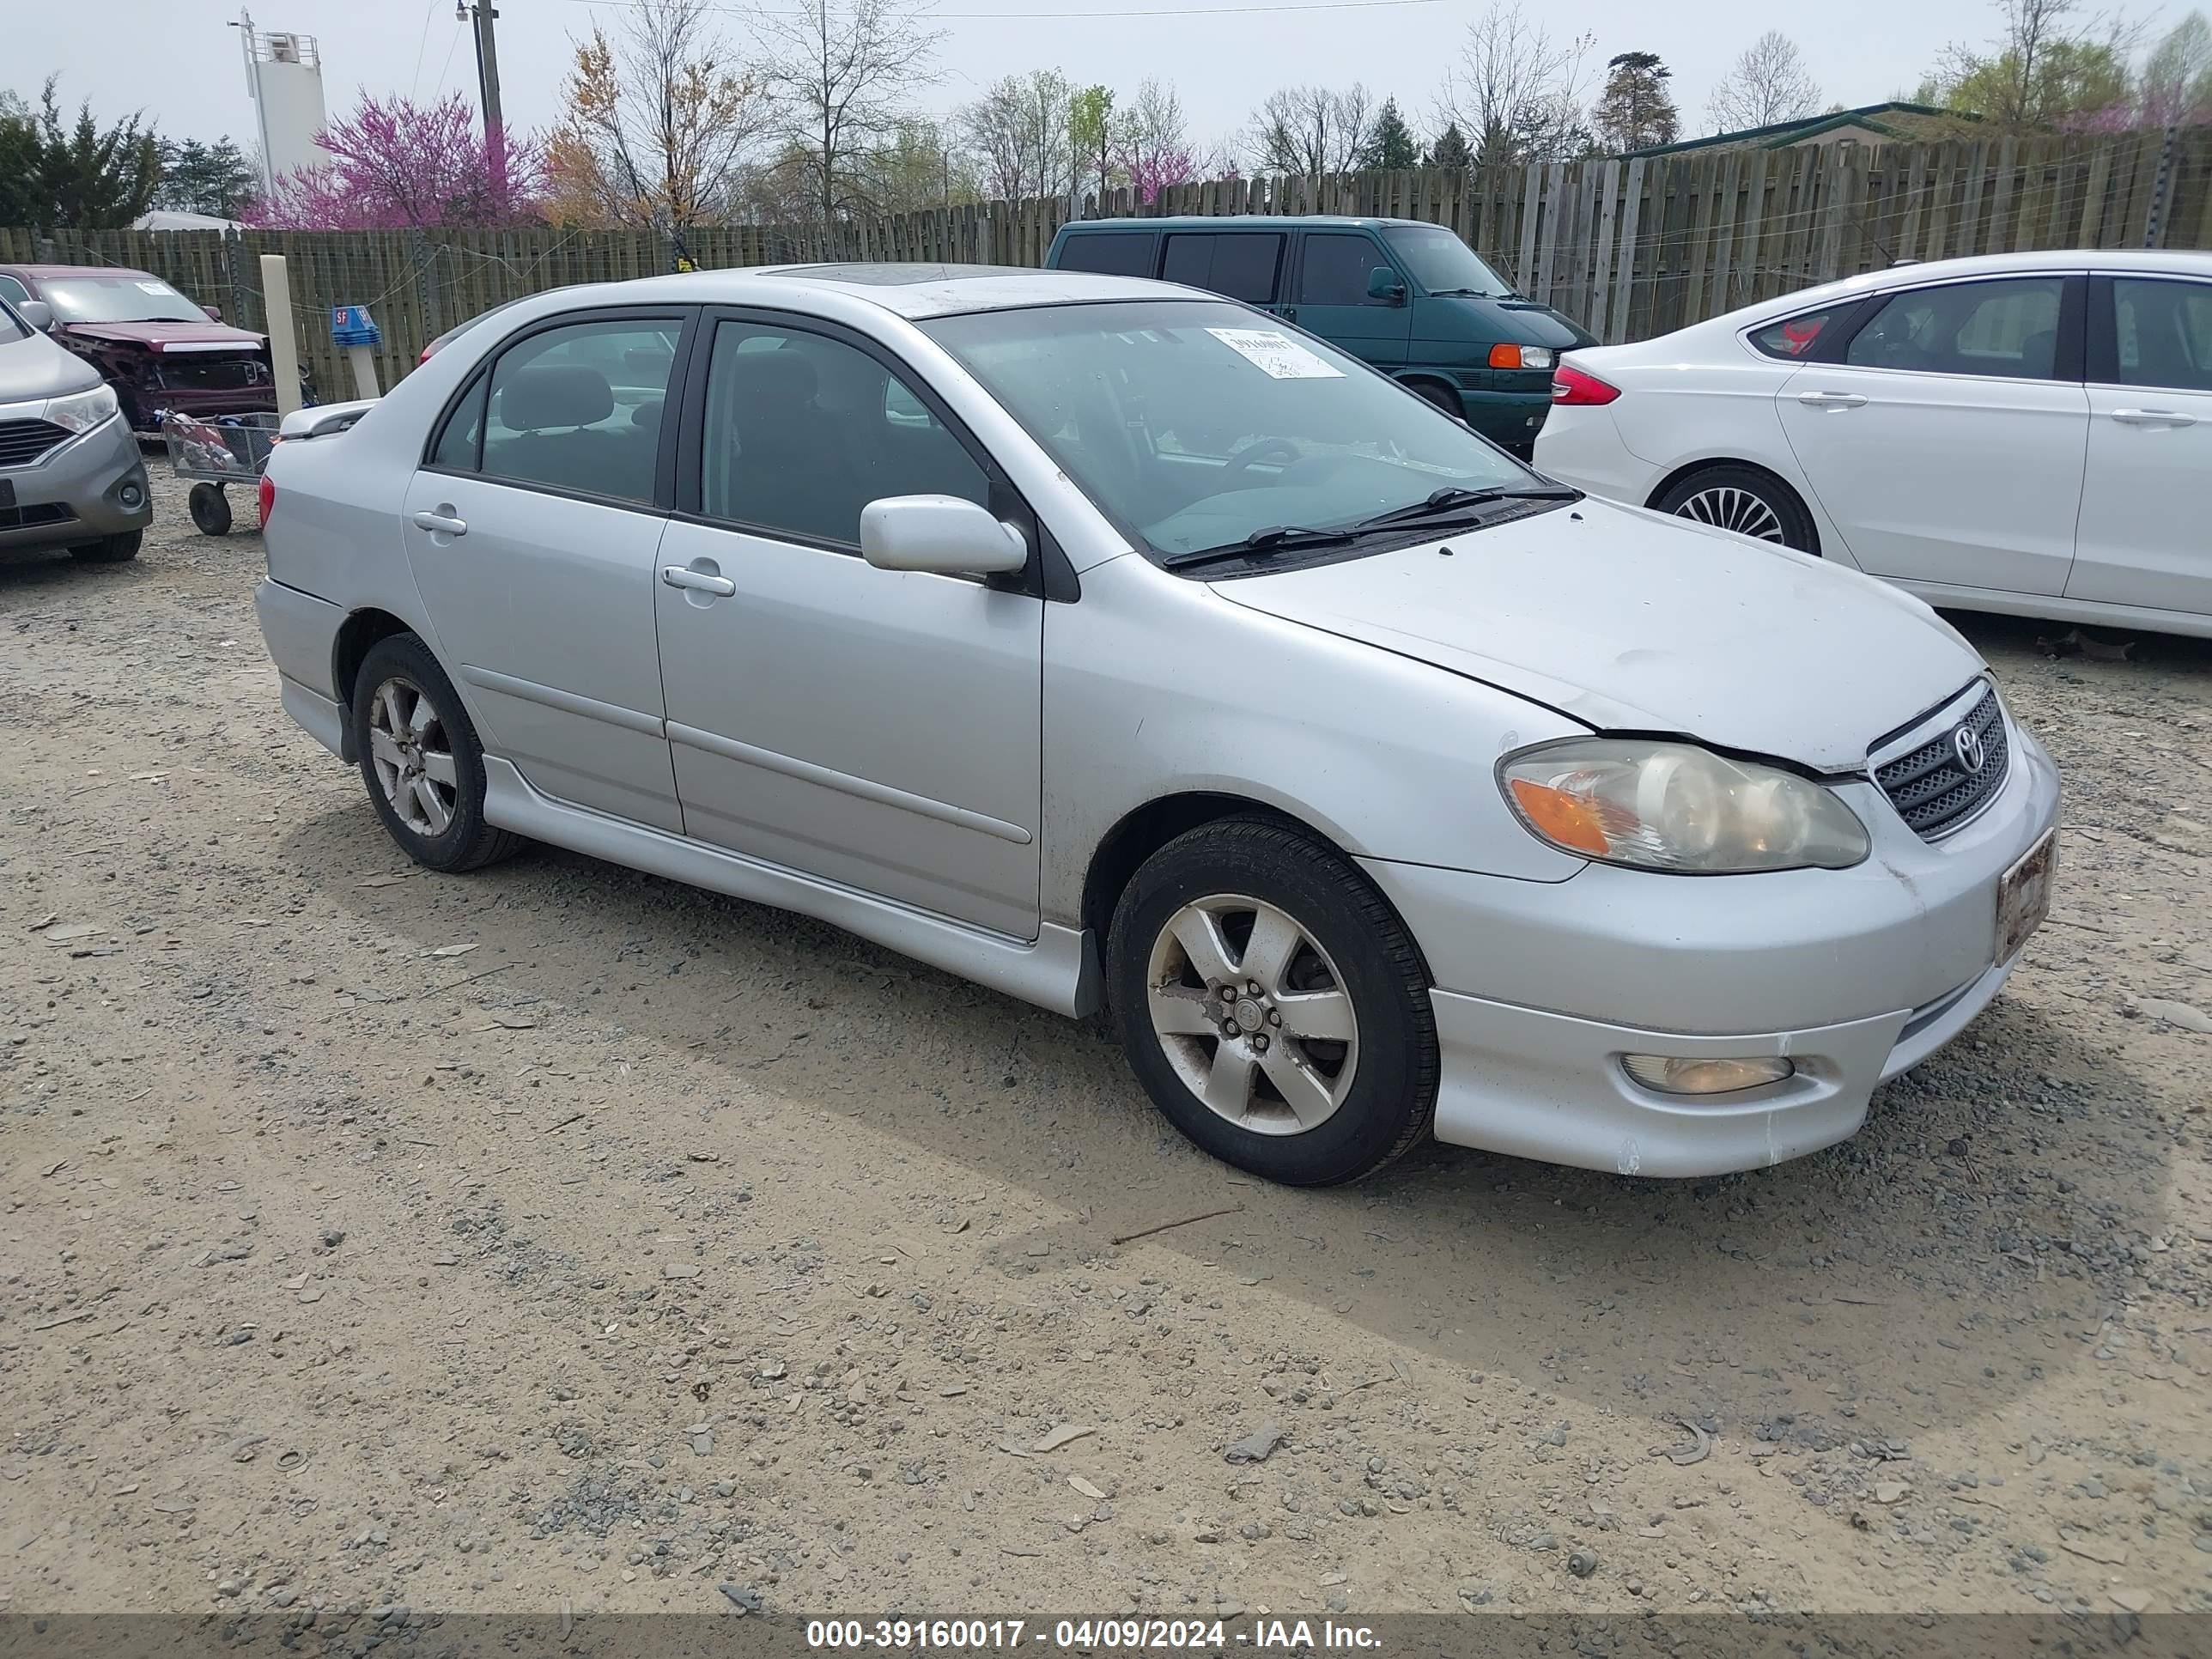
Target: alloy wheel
(1730,508)
(413,757)
(1252,1015)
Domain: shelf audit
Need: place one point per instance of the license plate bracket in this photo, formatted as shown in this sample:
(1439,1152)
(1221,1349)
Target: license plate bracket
(2023,896)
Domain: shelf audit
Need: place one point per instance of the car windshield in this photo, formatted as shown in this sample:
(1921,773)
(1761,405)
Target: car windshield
(1441,263)
(1196,425)
(128,297)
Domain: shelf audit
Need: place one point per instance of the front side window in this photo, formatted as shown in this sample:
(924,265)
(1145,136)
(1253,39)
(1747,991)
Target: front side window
(12,290)
(801,431)
(1239,264)
(2162,334)
(1336,270)
(1195,426)
(2007,328)
(129,297)
(1795,337)
(1110,253)
(1441,263)
(578,408)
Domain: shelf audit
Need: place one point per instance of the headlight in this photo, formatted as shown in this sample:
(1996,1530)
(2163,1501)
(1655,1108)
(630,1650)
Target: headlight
(81,411)
(1539,357)
(1674,807)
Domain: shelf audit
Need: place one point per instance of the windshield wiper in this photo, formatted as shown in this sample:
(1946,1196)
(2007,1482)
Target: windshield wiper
(1451,500)
(1479,293)
(1276,538)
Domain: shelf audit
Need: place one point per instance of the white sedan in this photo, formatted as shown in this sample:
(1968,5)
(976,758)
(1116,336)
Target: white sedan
(2028,432)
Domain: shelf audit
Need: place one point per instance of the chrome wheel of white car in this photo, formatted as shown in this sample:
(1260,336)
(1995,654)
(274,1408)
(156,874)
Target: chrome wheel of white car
(1253,1015)
(1729,508)
(413,758)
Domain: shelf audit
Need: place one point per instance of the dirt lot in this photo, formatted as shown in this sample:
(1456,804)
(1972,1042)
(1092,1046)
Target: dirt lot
(559,1235)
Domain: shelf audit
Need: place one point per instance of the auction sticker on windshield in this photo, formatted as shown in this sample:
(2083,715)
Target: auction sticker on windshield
(1277,355)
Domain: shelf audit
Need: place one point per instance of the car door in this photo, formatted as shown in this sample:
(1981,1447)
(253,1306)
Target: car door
(1946,442)
(2142,538)
(1330,297)
(876,728)
(1243,264)
(533,529)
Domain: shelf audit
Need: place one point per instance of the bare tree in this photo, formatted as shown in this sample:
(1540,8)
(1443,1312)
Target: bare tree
(1514,89)
(1311,129)
(1768,84)
(1019,132)
(842,75)
(2048,64)
(660,125)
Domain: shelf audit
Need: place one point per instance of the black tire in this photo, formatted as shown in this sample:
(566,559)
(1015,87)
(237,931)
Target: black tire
(110,550)
(210,507)
(1682,498)
(1442,396)
(466,841)
(1390,1100)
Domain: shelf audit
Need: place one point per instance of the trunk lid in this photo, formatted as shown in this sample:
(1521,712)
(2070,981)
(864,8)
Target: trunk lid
(1628,621)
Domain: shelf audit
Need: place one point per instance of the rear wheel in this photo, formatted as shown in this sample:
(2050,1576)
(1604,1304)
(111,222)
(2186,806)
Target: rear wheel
(421,759)
(1271,1004)
(1744,500)
(110,550)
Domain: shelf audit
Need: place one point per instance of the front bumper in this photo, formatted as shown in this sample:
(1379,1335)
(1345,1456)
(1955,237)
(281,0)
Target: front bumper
(75,492)
(1510,418)
(1854,975)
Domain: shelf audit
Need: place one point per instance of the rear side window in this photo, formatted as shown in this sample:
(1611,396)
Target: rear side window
(578,408)
(456,448)
(1239,264)
(1109,252)
(2162,334)
(1795,337)
(1336,270)
(2007,328)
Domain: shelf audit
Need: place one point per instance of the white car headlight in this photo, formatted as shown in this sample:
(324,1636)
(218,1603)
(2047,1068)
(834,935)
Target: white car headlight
(81,411)
(1539,357)
(1677,808)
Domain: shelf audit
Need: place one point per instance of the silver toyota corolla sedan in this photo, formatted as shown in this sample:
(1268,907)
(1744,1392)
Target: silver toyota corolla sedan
(1115,646)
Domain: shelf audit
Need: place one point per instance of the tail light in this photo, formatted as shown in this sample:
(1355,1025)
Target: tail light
(425,357)
(266,497)
(1579,390)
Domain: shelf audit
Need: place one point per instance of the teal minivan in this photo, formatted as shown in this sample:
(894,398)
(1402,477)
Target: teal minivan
(1409,297)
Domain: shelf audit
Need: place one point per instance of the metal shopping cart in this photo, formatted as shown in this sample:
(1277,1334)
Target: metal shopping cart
(227,450)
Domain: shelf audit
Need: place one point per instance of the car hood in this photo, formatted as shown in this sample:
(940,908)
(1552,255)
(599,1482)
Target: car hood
(1487,317)
(1629,621)
(161,336)
(36,367)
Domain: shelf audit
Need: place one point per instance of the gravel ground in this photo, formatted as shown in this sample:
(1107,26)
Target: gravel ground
(560,1237)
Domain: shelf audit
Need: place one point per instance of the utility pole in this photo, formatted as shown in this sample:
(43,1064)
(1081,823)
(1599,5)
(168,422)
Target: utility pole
(482,13)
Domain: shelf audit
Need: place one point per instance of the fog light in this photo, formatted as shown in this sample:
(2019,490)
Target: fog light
(130,495)
(1675,1076)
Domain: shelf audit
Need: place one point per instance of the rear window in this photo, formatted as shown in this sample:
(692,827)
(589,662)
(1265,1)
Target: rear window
(1109,252)
(1239,264)
(1795,337)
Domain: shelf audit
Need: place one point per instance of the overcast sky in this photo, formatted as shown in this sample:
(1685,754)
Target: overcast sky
(178,61)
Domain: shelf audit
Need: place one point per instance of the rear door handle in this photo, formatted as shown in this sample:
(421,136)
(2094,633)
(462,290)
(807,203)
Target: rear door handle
(2153,417)
(676,576)
(1831,399)
(444,524)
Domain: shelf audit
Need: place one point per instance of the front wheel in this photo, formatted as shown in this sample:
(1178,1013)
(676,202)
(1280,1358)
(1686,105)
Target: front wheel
(421,759)
(1744,500)
(1271,1004)
(110,550)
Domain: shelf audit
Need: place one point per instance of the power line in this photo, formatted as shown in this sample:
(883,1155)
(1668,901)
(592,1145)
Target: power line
(1078,16)
(415,84)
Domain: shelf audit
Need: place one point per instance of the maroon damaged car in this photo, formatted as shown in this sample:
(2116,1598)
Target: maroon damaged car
(156,348)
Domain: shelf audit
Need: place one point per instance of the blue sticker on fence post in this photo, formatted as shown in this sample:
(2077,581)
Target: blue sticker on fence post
(352,325)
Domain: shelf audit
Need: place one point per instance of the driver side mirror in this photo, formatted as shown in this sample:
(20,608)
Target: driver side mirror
(943,535)
(212,314)
(37,314)
(1382,285)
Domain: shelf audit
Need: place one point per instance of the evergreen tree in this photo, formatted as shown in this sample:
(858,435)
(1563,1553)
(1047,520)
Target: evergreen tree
(1450,149)
(1635,110)
(79,176)
(196,177)
(1390,143)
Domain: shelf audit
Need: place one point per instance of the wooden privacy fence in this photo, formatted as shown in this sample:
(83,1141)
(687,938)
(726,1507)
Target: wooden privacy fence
(1631,248)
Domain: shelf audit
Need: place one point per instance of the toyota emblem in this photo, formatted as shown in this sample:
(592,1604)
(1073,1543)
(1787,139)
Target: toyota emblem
(1968,743)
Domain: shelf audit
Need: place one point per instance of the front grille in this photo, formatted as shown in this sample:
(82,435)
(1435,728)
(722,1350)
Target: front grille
(1932,787)
(223,374)
(22,518)
(22,442)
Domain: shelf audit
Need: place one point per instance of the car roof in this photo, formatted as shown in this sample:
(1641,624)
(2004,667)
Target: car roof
(124,271)
(1244,221)
(911,289)
(1917,273)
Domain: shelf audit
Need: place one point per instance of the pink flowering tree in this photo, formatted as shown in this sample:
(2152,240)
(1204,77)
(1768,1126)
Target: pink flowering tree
(1152,172)
(395,164)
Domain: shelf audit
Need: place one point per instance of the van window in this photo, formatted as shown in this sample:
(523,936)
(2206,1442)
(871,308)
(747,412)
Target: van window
(1336,269)
(1109,252)
(1239,264)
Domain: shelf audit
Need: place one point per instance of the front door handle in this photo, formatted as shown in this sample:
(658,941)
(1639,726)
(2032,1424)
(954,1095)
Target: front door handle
(443,521)
(1831,399)
(676,576)
(2153,417)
